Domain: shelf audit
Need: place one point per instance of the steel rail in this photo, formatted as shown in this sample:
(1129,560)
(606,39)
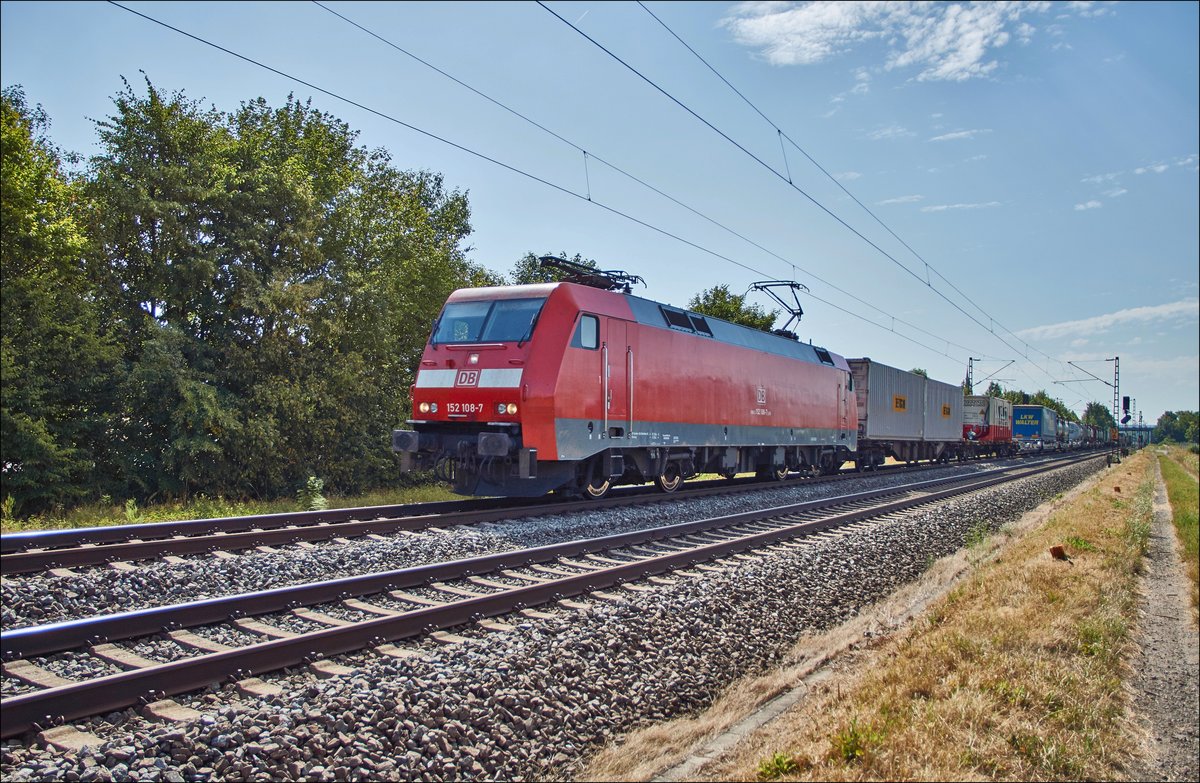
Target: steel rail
(45,707)
(97,546)
(55,637)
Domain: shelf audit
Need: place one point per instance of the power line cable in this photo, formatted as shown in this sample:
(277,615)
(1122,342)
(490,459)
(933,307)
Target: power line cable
(482,156)
(643,183)
(770,168)
(844,189)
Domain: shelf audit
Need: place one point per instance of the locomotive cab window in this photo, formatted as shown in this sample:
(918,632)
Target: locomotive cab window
(824,356)
(587,333)
(494,321)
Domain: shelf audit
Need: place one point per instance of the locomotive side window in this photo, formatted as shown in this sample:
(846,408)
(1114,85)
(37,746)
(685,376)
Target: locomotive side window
(587,334)
(824,356)
(700,325)
(500,320)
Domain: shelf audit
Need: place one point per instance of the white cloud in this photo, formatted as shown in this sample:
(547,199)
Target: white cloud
(964,134)
(1093,204)
(1183,310)
(900,200)
(890,132)
(1100,179)
(1157,168)
(946,41)
(847,176)
(944,207)
(1115,192)
(1090,9)
(974,158)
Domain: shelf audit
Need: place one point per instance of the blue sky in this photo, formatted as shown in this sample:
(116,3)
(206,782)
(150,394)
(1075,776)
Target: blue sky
(1034,165)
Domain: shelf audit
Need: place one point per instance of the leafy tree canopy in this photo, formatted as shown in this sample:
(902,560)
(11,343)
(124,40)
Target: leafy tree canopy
(222,302)
(720,303)
(1180,426)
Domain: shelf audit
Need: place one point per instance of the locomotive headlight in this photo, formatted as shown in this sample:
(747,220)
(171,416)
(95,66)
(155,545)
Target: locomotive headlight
(473,358)
(512,409)
(433,407)
(423,407)
(500,407)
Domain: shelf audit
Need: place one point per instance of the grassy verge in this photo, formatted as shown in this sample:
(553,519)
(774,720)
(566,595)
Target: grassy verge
(1183,492)
(201,507)
(1016,674)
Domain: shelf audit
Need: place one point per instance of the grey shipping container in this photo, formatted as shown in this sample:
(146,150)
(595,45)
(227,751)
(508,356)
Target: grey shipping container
(943,411)
(891,402)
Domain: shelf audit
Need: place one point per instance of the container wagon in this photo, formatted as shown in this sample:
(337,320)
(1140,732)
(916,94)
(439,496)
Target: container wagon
(1035,428)
(987,426)
(905,416)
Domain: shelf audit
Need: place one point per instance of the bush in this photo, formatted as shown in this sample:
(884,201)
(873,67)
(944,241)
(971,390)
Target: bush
(310,496)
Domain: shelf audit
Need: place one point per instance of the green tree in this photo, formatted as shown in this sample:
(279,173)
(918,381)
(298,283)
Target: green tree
(1098,415)
(1179,426)
(55,354)
(994,390)
(162,189)
(720,303)
(919,371)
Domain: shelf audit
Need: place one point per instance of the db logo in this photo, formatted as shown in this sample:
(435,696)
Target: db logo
(467,378)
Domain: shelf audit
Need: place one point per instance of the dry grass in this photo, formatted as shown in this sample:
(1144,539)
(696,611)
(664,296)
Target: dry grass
(1016,675)
(117,512)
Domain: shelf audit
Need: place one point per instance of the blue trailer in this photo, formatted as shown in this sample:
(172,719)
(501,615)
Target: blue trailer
(1035,428)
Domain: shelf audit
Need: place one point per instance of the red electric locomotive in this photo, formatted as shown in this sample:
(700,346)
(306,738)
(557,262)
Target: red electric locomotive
(577,387)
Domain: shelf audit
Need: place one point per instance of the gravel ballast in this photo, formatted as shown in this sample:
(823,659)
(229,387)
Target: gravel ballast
(535,701)
(43,598)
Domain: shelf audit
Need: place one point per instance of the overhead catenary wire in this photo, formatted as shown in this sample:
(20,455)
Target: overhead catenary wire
(774,171)
(482,156)
(592,156)
(783,136)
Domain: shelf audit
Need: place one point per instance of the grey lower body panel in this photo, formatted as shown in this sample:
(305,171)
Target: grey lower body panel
(582,438)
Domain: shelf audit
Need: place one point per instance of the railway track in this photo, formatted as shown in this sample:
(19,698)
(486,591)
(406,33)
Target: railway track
(414,602)
(27,553)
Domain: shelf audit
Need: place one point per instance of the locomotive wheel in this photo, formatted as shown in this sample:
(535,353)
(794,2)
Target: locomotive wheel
(671,479)
(778,474)
(596,488)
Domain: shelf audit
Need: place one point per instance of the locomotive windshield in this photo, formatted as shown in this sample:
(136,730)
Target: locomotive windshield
(490,321)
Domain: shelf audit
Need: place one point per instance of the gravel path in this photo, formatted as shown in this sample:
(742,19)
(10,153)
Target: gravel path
(1166,694)
(534,702)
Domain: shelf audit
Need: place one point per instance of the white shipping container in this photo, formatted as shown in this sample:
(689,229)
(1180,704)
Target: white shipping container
(975,410)
(891,402)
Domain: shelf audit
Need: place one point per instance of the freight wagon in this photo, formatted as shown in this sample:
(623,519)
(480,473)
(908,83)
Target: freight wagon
(1035,428)
(987,426)
(904,415)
